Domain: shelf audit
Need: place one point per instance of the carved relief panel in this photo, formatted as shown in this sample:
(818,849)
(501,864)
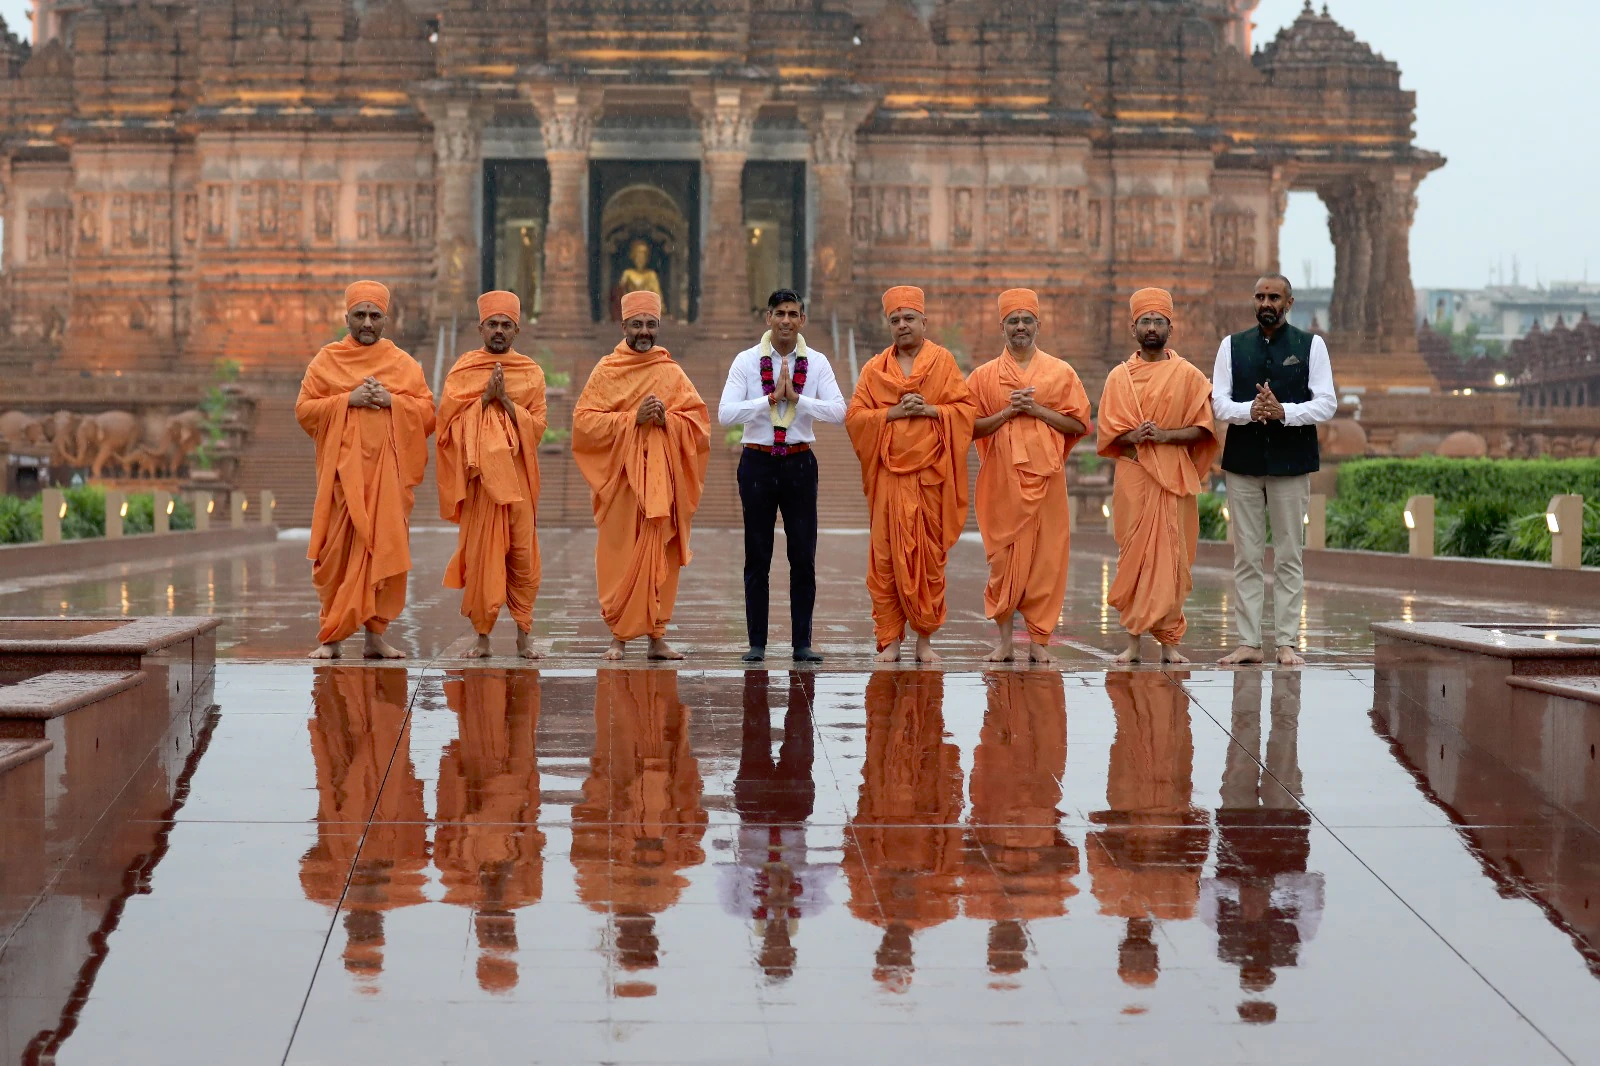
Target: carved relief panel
(324,213)
(47,233)
(1145,228)
(216,214)
(88,219)
(896,215)
(1071,230)
(1196,230)
(191,218)
(961,211)
(1234,240)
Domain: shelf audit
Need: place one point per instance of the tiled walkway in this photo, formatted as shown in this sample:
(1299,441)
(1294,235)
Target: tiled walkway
(429,864)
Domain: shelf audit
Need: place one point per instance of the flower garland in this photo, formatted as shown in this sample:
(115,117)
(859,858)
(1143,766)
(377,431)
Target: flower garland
(783,418)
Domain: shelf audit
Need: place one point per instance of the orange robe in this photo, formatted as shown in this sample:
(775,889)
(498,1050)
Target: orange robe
(1022,490)
(361,746)
(489,486)
(914,472)
(902,854)
(642,819)
(644,481)
(487,846)
(369,461)
(1155,507)
(1145,862)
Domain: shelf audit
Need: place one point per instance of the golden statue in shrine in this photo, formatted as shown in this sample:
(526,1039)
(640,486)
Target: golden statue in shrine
(640,276)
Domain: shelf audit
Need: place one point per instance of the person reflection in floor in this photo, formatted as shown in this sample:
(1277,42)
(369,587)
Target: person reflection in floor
(773,882)
(361,744)
(488,847)
(1263,903)
(641,820)
(1020,866)
(1146,861)
(903,847)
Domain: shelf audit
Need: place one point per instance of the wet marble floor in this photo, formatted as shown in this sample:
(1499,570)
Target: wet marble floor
(434,863)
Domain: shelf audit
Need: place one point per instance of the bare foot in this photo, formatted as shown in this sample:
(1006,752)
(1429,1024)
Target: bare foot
(1005,648)
(891,654)
(1038,653)
(378,648)
(325,651)
(1130,654)
(479,649)
(925,652)
(1170,654)
(614,652)
(660,649)
(1287,656)
(525,646)
(1240,656)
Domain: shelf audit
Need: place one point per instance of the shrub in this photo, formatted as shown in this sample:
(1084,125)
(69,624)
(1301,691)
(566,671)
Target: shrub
(1212,525)
(1527,484)
(1470,531)
(1528,537)
(553,435)
(1381,528)
(20,520)
(86,513)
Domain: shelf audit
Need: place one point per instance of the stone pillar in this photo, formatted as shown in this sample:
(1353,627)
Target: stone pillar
(833,125)
(727,120)
(1392,296)
(566,118)
(1347,227)
(458,174)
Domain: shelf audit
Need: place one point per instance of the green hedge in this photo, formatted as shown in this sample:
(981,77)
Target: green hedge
(22,521)
(1526,484)
(1483,508)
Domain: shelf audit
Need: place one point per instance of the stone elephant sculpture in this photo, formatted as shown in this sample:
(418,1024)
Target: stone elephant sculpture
(107,439)
(166,443)
(61,430)
(20,427)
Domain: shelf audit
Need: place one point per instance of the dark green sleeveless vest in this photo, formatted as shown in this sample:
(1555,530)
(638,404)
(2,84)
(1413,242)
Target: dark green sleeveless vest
(1271,449)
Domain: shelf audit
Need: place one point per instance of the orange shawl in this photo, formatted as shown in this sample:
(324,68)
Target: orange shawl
(1022,488)
(1155,513)
(644,478)
(914,472)
(474,439)
(378,492)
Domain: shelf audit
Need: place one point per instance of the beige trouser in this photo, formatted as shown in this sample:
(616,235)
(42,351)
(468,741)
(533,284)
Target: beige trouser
(1251,501)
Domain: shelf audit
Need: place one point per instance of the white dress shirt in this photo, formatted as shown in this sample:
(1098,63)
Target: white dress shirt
(743,402)
(1323,405)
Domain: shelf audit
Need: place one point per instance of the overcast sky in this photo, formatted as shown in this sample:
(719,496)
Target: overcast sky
(1514,118)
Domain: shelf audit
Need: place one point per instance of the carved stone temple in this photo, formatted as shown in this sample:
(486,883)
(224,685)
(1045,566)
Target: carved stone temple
(188,181)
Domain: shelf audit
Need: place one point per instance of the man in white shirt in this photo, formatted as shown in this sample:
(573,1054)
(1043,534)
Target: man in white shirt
(1271,385)
(777,391)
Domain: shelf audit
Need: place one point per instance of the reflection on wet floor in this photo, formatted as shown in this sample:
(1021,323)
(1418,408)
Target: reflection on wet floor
(380,863)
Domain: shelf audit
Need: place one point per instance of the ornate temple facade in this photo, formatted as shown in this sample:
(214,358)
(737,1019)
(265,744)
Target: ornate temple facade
(185,180)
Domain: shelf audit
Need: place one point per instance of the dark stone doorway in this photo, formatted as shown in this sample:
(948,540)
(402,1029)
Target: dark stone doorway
(644,223)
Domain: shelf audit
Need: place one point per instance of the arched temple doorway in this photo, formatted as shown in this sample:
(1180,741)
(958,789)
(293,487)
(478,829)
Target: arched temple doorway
(646,236)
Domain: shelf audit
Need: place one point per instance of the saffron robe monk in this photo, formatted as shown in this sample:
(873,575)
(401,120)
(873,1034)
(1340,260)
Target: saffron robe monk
(910,422)
(1031,411)
(1155,421)
(491,419)
(641,437)
(366,405)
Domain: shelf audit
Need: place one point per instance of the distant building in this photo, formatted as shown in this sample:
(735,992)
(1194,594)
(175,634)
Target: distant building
(1506,312)
(1558,367)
